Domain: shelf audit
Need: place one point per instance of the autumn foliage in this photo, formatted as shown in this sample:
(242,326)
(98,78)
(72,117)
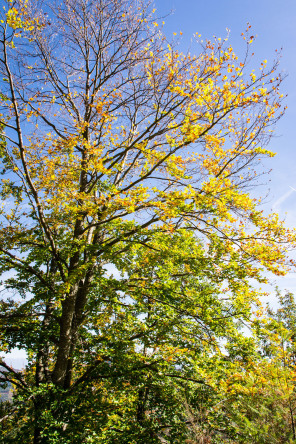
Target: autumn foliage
(128,233)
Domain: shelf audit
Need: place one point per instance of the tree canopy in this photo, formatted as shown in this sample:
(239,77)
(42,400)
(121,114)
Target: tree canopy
(129,237)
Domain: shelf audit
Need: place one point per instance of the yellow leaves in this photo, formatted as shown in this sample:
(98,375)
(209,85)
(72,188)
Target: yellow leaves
(13,18)
(253,77)
(260,150)
(20,19)
(197,103)
(215,140)
(131,200)
(169,353)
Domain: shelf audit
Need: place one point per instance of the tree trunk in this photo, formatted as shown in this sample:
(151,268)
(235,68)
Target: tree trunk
(66,337)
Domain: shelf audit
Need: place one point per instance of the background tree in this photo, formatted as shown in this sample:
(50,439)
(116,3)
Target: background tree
(118,150)
(260,396)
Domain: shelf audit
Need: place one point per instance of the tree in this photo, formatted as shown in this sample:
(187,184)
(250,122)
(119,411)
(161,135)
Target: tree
(261,392)
(120,151)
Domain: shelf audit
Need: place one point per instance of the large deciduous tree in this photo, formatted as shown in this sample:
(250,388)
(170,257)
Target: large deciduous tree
(128,235)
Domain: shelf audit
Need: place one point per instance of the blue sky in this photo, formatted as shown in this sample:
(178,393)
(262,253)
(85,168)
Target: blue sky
(273,24)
